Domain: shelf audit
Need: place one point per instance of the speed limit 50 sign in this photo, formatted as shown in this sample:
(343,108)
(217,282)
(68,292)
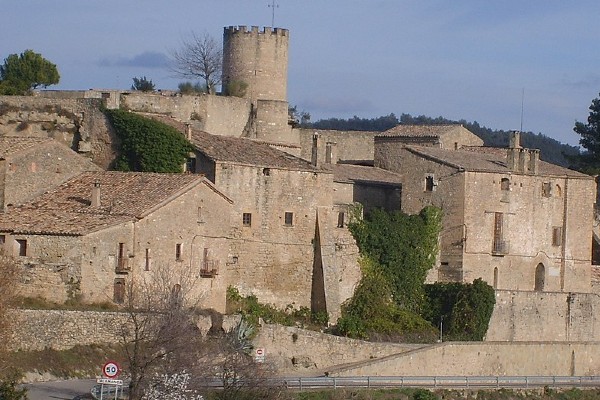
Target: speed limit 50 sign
(111,369)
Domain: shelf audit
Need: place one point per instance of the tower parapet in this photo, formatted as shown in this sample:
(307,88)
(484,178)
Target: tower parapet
(259,59)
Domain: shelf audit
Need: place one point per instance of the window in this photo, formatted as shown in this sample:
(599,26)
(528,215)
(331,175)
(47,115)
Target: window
(341,218)
(121,262)
(200,214)
(266,171)
(430,183)
(289,219)
(247,219)
(147,263)
(500,246)
(557,236)
(119,291)
(546,189)
(505,184)
(22,245)
(190,165)
(178,248)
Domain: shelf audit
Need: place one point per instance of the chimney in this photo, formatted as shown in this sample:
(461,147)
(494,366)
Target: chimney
(511,159)
(314,160)
(534,160)
(330,153)
(522,162)
(514,140)
(188,131)
(96,195)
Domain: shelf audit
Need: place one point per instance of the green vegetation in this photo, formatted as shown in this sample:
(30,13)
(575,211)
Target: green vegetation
(147,145)
(589,162)
(9,388)
(464,310)
(191,89)
(21,73)
(404,247)
(392,302)
(142,84)
(251,310)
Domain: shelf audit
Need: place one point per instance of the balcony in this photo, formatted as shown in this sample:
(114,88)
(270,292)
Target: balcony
(209,268)
(122,266)
(500,247)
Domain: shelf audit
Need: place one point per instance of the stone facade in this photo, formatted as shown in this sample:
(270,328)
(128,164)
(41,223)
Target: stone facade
(517,229)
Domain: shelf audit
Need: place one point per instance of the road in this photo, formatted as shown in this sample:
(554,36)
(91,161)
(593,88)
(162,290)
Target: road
(59,389)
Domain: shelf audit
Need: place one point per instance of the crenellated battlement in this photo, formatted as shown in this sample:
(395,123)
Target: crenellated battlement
(267,30)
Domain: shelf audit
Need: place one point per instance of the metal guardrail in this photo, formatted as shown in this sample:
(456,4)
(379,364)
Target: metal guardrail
(442,382)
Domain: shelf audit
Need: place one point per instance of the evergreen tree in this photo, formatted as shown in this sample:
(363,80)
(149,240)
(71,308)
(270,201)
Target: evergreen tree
(590,140)
(21,73)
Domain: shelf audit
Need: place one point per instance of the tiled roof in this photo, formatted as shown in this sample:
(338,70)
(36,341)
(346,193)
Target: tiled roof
(124,196)
(595,274)
(349,173)
(13,144)
(486,159)
(420,130)
(238,150)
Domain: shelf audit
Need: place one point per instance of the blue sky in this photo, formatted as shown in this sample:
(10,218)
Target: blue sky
(457,59)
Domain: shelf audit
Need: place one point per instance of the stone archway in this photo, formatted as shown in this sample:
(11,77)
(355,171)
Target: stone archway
(540,277)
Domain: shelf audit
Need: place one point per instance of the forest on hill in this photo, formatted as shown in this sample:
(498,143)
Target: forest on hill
(551,150)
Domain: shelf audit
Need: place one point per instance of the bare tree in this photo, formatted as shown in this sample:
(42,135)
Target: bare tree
(200,57)
(160,336)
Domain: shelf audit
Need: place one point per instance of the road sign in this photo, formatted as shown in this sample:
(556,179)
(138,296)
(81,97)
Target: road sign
(106,381)
(111,369)
(259,354)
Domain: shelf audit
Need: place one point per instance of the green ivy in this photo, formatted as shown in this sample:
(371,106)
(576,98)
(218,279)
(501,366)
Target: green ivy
(147,145)
(404,246)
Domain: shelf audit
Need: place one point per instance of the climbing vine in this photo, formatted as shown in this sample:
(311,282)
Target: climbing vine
(147,145)
(404,247)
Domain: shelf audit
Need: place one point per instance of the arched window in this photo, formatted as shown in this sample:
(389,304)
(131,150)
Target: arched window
(540,277)
(496,278)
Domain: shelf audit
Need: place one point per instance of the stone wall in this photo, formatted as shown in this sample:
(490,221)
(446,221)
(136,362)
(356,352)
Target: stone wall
(350,145)
(544,316)
(485,359)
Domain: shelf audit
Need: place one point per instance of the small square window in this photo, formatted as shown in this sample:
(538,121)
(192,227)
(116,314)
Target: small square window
(289,219)
(341,219)
(430,183)
(178,253)
(557,236)
(247,219)
(22,245)
(546,189)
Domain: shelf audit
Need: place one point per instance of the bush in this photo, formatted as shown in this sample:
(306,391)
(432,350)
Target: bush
(9,388)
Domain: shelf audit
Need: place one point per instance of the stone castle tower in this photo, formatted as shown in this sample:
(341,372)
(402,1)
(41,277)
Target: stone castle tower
(257,58)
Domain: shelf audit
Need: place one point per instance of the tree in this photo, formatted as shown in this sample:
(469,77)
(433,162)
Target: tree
(21,73)
(160,337)
(191,88)
(200,57)
(590,140)
(142,84)
(298,118)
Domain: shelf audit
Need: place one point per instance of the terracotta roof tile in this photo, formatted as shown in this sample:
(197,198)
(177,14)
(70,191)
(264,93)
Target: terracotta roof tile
(124,196)
(13,144)
(359,173)
(420,130)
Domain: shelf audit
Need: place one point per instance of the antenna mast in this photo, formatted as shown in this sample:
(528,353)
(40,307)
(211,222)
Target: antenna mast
(273,5)
(522,103)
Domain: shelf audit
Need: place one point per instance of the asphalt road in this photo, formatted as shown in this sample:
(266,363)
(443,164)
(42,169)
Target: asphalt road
(60,389)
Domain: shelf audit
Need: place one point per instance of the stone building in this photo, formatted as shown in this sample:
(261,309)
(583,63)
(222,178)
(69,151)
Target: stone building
(515,221)
(31,165)
(285,247)
(96,232)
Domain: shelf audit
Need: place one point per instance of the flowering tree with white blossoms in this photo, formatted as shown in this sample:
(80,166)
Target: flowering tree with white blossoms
(171,387)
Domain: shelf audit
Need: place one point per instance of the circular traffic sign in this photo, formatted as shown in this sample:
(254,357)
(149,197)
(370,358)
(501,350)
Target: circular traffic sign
(111,369)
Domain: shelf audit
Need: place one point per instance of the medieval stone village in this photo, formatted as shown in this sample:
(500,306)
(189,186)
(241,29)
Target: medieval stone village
(263,207)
